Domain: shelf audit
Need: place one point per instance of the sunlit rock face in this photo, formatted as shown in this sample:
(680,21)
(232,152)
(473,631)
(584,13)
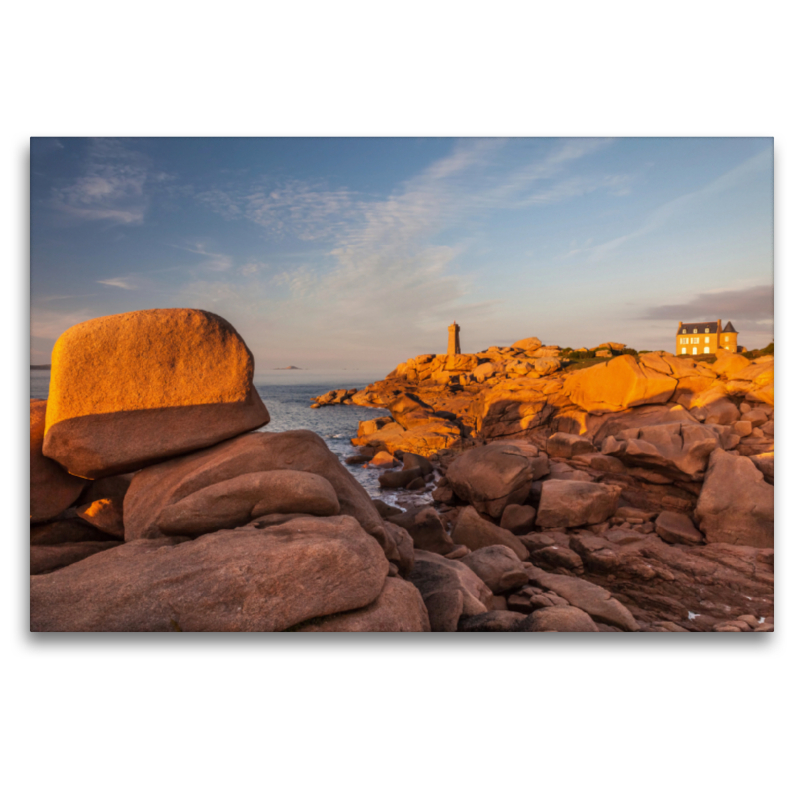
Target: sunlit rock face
(618,384)
(133,389)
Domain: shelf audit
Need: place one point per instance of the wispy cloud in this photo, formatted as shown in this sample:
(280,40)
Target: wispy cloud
(216,262)
(120,283)
(112,188)
(292,208)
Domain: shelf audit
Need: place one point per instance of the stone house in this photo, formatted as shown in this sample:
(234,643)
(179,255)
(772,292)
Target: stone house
(696,338)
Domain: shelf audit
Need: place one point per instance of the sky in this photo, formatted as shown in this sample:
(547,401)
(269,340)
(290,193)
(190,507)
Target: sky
(339,253)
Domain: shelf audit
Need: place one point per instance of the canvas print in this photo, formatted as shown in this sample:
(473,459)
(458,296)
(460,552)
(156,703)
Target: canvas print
(402,385)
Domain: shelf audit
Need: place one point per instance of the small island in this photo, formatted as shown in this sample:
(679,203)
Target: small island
(287,368)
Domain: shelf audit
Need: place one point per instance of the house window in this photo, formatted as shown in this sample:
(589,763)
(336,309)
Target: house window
(694,330)
(726,338)
(694,351)
(695,340)
(707,338)
(684,330)
(706,349)
(706,332)
(683,350)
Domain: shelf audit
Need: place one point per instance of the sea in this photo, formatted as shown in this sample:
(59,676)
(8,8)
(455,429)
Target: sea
(287,395)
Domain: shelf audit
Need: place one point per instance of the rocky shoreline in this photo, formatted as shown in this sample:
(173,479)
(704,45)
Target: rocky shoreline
(644,476)
(633,495)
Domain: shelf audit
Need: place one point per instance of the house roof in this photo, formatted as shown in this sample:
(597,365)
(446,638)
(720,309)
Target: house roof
(688,327)
(729,328)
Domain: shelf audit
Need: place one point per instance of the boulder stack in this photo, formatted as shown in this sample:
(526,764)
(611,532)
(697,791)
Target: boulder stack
(133,389)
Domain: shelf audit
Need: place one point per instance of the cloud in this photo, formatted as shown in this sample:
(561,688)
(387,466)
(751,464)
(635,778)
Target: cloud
(216,262)
(754,304)
(111,189)
(386,269)
(292,208)
(120,283)
(453,189)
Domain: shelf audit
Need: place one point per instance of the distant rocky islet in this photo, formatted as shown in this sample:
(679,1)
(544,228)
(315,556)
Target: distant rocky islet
(635,495)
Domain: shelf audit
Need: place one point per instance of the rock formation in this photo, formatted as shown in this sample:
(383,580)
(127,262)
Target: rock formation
(134,389)
(545,490)
(647,478)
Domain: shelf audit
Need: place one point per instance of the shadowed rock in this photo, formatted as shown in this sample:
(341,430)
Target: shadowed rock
(105,515)
(677,451)
(162,485)
(48,558)
(426,530)
(132,389)
(53,489)
(568,445)
(558,619)
(450,589)
(61,531)
(736,504)
(594,600)
(475,532)
(398,608)
(677,528)
(570,504)
(243,580)
(518,519)
(491,622)
(498,567)
(234,502)
(491,477)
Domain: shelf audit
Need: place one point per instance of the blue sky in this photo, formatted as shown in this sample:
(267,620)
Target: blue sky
(357,253)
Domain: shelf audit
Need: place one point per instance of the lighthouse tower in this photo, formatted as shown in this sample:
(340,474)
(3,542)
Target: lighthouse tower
(453,340)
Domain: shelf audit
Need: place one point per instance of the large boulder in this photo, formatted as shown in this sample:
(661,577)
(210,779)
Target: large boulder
(594,600)
(498,567)
(618,384)
(450,590)
(234,502)
(570,504)
(472,530)
(53,489)
(240,580)
(678,451)
(491,477)
(133,389)
(736,504)
(399,608)
(677,528)
(568,445)
(409,411)
(531,343)
(437,434)
(426,530)
(162,485)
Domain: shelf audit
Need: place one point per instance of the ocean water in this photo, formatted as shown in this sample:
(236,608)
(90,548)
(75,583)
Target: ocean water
(287,395)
